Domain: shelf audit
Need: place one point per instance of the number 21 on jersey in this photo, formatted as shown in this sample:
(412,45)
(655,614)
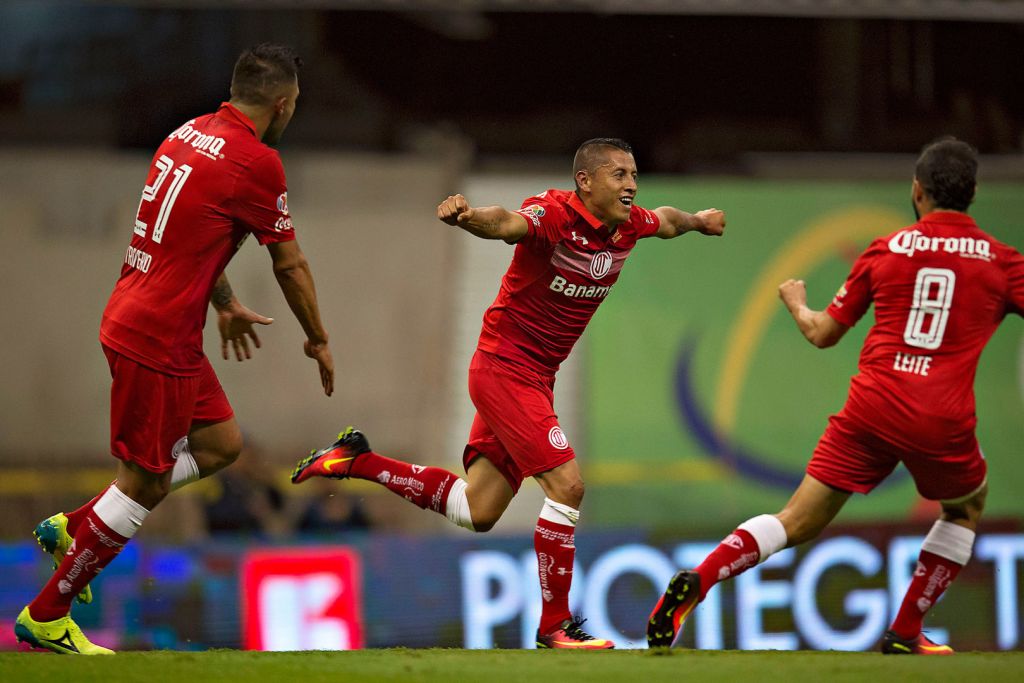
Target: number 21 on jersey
(165,167)
(929,313)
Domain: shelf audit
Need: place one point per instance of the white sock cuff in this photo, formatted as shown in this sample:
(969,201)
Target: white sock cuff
(119,512)
(950,541)
(769,533)
(558,513)
(186,470)
(457,506)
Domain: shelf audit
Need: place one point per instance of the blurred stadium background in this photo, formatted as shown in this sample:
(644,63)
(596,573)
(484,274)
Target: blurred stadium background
(691,402)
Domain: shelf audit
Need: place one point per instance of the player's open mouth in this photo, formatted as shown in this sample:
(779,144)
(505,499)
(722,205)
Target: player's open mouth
(628,201)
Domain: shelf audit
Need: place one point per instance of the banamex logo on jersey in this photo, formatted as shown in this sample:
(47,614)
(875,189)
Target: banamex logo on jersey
(600,264)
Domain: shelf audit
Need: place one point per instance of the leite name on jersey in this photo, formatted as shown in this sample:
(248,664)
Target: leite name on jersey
(207,145)
(910,242)
(915,365)
(561,285)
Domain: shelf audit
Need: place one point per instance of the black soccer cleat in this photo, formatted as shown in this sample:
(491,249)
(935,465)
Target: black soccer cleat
(892,644)
(666,620)
(335,461)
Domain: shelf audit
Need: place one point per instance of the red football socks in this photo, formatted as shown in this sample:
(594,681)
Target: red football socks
(425,487)
(94,547)
(933,575)
(735,554)
(76,517)
(556,550)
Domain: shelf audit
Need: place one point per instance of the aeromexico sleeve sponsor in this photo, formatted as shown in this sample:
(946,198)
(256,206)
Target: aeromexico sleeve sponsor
(532,213)
(910,242)
(207,145)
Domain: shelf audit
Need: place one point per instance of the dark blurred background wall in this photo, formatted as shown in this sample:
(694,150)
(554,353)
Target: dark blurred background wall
(693,90)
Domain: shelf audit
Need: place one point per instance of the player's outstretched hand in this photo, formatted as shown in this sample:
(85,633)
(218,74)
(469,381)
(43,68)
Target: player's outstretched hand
(793,293)
(714,221)
(455,210)
(321,353)
(236,329)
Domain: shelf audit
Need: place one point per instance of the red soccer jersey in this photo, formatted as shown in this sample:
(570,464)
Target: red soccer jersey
(212,182)
(940,289)
(562,270)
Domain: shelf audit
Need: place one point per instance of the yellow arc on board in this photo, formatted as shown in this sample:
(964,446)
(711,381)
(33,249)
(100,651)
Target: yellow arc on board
(794,260)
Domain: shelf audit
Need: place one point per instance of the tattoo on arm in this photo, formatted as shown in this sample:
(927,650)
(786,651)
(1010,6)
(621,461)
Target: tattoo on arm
(222,295)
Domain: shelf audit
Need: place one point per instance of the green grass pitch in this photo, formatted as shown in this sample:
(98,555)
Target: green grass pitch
(407,666)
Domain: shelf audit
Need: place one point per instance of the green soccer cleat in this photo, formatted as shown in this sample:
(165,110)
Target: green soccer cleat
(666,620)
(335,461)
(60,635)
(52,536)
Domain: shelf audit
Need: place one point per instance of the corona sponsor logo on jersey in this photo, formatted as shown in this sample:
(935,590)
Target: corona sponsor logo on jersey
(910,242)
(209,145)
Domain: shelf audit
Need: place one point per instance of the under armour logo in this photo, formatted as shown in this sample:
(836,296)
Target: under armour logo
(579,238)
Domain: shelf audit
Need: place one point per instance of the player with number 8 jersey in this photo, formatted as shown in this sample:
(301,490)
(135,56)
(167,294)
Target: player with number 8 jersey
(940,288)
(213,181)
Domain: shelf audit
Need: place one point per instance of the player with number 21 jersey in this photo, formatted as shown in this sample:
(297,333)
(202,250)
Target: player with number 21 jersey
(211,183)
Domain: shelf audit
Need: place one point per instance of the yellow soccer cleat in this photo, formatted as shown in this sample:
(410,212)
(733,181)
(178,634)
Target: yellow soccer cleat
(60,635)
(52,536)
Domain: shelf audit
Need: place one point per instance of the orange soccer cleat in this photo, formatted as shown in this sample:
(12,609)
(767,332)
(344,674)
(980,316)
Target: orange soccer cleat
(569,636)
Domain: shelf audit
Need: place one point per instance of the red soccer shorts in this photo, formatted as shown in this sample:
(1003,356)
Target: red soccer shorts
(150,411)
(851,458)
(515,425)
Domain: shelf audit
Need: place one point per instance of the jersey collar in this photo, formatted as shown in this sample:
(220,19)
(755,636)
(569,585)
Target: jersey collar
(948,218)
(576,203)
(230,111)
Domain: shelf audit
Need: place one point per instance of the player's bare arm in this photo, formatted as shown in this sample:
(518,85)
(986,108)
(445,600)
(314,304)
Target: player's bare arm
(489,222)
(818,327)
(296,281)
(235,321)
(675,222)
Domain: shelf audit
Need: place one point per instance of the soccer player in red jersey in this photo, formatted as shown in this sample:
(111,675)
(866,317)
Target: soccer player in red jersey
(570,248)
(940,288)
(213,182)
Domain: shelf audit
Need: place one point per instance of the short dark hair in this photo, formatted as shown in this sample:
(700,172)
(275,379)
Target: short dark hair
(261,70)
(590,153)
(946,170)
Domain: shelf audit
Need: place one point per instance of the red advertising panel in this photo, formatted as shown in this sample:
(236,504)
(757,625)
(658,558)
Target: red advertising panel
(302,599)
